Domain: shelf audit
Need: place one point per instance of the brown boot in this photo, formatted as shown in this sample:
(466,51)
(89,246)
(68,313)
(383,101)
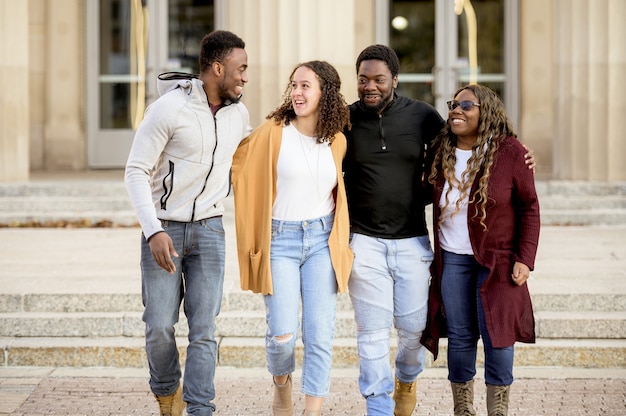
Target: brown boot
(404,395)
(282,405)
(463,396)
(497,400)
(172,405)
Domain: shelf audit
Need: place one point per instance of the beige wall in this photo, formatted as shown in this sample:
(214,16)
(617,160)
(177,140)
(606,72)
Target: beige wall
(63,57)
(14,63)
(536,81)
(37,81)
(572,69)
(282,33)
(589,91)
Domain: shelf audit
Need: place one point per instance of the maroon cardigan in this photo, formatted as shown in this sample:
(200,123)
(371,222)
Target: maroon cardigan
(512,235)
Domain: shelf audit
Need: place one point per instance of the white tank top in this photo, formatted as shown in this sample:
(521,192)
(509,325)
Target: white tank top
(454,234)
(306,178)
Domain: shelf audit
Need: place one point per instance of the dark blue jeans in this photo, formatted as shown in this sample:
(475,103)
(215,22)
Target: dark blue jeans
(461,279)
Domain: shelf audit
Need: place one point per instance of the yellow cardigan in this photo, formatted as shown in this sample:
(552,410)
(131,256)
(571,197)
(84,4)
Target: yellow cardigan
(254,183)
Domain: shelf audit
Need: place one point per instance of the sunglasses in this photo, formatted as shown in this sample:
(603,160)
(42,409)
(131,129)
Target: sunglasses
(465,105)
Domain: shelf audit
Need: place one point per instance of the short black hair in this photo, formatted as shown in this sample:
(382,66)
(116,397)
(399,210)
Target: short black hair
(216,46)
(381,53)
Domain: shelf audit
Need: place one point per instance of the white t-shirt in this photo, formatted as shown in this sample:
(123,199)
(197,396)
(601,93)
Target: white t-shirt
(306,178)
(454,234)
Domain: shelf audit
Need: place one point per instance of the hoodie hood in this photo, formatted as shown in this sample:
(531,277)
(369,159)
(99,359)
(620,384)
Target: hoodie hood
(169,81)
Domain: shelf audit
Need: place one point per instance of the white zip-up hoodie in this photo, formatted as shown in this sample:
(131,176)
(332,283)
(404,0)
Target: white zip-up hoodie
(179,164)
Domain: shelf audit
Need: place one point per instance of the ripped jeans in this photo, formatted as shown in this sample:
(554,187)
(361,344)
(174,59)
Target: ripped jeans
(389,285)
(302,270)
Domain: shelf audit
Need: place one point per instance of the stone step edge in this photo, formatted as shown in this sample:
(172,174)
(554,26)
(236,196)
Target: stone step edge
(554,325)
(250,353)
(238,300)
(583,315)
(42,183)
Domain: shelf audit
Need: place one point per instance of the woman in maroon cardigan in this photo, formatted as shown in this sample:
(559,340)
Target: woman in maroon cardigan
(486,231)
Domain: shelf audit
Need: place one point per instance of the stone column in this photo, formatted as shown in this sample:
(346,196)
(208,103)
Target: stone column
(64,129)
(536,80)
(590,89)
(14,159)
(616,101)
(281,33)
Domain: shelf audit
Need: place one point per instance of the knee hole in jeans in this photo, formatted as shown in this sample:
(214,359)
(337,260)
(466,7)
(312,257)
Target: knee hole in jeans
(283,339)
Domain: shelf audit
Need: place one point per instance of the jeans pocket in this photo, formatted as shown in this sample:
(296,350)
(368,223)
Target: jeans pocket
(427,251)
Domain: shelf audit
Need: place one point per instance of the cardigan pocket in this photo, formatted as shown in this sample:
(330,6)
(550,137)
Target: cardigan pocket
(256,276)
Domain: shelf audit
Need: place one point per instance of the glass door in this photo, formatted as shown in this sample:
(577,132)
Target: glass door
(129,43)
(444,44)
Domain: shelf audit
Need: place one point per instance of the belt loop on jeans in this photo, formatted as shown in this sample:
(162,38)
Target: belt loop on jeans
(204,221)
(326,221)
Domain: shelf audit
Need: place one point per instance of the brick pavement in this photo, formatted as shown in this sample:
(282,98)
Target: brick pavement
(114,392)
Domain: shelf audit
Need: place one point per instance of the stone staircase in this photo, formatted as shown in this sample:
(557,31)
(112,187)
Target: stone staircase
(575,328)
(582,203)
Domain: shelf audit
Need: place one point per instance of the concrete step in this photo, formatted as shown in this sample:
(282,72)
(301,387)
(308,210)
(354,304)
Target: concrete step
(250,352)
(582,202)
(79,188)
(66,218)
(567,217)
(106,203)
(552,325)
(247,301)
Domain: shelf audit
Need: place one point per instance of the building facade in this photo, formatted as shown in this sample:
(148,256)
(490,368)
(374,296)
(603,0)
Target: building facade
(76,75)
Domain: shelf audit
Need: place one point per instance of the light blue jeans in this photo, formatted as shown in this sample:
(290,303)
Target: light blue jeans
(302,270)
(461,280)
(199,279)
(389,285)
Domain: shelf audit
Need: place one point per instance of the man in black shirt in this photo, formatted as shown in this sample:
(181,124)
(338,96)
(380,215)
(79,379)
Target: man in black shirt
(390,276)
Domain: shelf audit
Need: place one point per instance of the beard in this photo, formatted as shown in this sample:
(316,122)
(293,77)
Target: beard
(234,99)
(228,95)
(376,108)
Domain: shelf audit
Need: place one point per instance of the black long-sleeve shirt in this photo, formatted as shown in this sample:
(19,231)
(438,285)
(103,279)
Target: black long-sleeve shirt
(384,165)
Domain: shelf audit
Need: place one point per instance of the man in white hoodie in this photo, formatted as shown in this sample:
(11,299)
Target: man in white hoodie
(177,176)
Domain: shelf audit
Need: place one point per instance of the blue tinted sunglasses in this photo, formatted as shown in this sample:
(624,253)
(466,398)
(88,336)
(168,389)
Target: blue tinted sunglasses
(465,105)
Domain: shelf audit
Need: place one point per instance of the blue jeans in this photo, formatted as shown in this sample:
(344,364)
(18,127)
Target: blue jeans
(301,269)
(199,279)
(461,280)
(389,284)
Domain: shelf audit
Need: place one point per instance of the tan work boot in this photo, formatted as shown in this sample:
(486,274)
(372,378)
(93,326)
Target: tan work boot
(282,405)
(404,395)
(172,405)
(498,400)
(463,396)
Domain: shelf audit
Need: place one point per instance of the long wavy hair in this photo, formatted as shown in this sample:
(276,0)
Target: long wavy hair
(493,126)
(333,109)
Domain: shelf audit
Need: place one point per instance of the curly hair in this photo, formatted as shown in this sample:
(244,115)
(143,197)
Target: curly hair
(216,46)
(380,53)
(493,126)
(333,109)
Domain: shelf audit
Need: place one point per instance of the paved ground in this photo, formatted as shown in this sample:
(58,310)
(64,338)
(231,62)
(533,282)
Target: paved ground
(106,261)
(73,392)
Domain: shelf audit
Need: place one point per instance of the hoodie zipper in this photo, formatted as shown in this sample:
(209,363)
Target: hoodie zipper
(193,210)
(381,129)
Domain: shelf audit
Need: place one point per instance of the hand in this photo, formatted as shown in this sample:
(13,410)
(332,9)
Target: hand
(530,158)
(520,274)
(162,250)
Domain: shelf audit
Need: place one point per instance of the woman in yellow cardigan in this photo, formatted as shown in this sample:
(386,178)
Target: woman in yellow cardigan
(291,219)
